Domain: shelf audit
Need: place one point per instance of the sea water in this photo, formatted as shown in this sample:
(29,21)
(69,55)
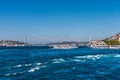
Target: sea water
(52,64)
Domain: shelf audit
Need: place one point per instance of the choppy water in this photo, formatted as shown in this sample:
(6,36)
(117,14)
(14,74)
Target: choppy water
(51,64)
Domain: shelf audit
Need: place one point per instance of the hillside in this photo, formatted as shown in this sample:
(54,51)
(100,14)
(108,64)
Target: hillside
(113,40)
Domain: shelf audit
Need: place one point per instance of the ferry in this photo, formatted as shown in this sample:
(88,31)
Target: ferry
(61,46)
(105,46)
(114,47)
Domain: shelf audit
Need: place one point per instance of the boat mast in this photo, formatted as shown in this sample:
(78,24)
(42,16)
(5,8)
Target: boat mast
(89,40)
(25,39)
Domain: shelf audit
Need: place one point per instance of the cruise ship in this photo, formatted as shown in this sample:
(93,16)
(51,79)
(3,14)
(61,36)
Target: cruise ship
(64,46)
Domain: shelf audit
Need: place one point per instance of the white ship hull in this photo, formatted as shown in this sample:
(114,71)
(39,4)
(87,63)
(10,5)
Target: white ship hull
(105,46)
(64,47)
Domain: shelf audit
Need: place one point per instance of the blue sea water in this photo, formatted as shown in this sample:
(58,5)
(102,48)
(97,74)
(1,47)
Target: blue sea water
(52,64)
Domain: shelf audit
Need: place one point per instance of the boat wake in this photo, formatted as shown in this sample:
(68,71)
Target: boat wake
(84,58)
(31,68)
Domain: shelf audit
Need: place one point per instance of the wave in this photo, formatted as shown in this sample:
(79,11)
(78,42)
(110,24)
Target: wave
(84,58)
(8,74)
(90,57)
(118,55)
(33,69)
(13,74)
(44,66)
(58,60)
(38,64)
(21,65)
(61,60)
(28,65)
(17,66)
(98,56)
(78,60)
(36,68)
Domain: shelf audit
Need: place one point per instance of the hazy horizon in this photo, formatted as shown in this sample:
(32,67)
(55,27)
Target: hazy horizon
(63,20)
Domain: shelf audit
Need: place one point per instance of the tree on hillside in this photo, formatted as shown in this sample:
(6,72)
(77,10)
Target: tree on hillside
(112,42)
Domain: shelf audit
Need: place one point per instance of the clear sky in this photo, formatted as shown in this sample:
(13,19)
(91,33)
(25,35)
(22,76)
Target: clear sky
(56,20)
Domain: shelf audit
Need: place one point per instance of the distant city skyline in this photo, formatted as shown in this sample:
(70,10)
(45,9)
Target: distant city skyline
(58,20)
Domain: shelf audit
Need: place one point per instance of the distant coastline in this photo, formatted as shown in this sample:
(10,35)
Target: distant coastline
(111,42)
(12,43)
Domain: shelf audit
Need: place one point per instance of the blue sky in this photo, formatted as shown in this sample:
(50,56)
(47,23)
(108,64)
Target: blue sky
(58,20)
